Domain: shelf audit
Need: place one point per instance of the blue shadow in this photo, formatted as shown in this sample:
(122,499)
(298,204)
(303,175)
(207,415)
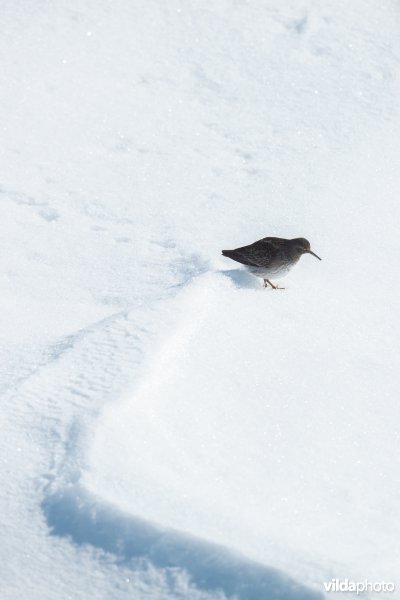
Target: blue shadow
(77,515)
(242,278)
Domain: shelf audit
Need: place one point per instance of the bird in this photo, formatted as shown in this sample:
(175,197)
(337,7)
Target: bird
(271,257)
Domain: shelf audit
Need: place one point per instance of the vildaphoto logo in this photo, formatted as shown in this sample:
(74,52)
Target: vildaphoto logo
(359,587)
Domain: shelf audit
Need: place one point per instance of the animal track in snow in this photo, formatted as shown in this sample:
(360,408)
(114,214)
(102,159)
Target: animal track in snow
(41,207)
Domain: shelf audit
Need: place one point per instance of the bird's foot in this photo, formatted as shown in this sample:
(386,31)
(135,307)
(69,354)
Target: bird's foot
(274,287)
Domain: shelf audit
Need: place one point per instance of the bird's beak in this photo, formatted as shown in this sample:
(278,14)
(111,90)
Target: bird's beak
(311,252)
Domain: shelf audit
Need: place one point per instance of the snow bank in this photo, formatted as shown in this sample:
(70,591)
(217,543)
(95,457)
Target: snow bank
(171,429)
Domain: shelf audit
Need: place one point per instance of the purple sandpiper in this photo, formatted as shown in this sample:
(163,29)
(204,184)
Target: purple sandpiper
(271,257)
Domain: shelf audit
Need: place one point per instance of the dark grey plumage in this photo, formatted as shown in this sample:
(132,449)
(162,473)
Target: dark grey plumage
(271,256)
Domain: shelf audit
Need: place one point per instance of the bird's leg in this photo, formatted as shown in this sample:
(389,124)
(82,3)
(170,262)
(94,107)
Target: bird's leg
(265,283)
(275,287)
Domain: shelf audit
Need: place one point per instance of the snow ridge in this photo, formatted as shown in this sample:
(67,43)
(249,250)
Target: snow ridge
(74,513)
(103,350)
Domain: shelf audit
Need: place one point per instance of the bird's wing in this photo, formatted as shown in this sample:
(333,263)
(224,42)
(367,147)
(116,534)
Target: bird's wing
(238,257)
(259,252)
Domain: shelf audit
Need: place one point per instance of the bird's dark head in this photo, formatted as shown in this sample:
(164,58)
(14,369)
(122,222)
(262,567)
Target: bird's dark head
(302,246)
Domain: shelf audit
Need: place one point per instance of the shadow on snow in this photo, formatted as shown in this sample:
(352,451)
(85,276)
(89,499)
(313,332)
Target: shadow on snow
(76,514)
(242,278)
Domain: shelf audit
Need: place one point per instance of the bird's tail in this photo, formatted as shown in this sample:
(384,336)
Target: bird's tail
(228,253)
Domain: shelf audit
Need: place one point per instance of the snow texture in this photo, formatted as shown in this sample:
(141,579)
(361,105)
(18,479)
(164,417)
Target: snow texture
(170,428)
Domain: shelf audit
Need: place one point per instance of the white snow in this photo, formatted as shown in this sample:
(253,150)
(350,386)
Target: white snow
(170,429)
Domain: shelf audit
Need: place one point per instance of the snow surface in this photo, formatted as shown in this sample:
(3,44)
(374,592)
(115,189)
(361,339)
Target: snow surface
(170,429)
